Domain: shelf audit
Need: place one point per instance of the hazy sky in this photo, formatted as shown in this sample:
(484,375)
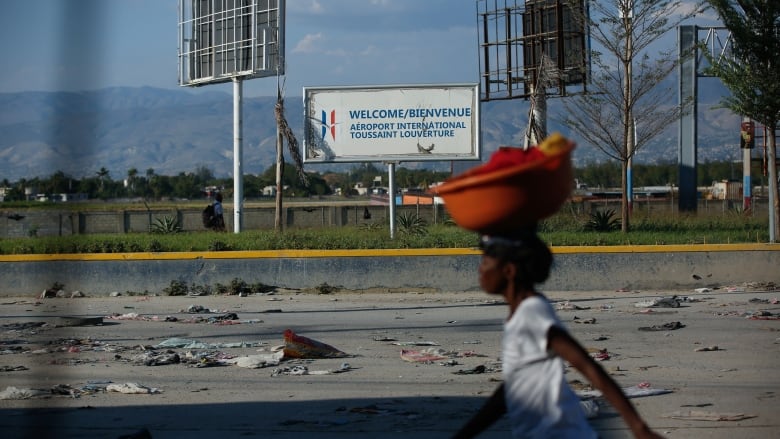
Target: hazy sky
(89,44)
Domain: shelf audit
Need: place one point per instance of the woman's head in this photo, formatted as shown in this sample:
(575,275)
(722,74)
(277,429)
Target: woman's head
(529,257)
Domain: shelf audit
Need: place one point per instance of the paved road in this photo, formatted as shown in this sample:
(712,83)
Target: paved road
(380,395)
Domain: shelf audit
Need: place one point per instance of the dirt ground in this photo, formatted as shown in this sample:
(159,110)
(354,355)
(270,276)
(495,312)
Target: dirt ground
(64,376)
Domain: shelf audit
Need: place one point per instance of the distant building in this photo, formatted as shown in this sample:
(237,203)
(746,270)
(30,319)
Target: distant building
(726,190)
(360,189)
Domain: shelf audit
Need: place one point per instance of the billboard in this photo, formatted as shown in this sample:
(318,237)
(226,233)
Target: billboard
(515,37)
(404,123)
(227,39)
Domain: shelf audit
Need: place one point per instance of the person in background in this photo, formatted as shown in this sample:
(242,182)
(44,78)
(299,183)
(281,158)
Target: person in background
(219,218)
(534,393)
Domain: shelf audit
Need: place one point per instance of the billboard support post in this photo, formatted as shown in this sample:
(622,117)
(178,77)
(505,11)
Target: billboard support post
(238,180)
(391,189)
(222,42)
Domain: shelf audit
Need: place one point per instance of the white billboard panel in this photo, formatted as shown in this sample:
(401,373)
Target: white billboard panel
(391,123)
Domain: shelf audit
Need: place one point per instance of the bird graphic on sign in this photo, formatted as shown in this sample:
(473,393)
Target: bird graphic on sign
(425,150)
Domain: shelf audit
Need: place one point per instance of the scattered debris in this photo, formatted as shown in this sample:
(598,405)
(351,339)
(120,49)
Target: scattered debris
(473,371)
(304,370)
(185,343)
(132,388)
(701,415)
(415,343)
(568,306)
(12,368)
(257,361)
(429,355)
(663,302)
(383,338)
(640,390)
(298,346)
(12,392)
(77,321)
(671,326)
(599,354)
(157,358)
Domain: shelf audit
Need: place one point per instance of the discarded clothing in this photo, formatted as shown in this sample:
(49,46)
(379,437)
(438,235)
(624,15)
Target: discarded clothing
(157,358)
(303,370)
(424,356)
(12,392)
(257,361)
(664,302)
(132,388)
(568,306)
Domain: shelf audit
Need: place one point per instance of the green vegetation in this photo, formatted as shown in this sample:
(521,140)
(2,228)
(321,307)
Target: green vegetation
(567,228)
(602,221)
(165,225)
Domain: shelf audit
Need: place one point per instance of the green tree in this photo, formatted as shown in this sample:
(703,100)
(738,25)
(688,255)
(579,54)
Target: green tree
(132,175)
(753,76)
(102,175)
(57,183)
(625,107)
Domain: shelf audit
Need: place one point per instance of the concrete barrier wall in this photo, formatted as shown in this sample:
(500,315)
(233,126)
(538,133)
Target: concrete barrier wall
(575,269)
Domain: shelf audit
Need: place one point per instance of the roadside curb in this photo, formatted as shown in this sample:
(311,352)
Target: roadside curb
(575,269)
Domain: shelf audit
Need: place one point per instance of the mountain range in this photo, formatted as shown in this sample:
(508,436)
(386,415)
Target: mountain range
(174,131)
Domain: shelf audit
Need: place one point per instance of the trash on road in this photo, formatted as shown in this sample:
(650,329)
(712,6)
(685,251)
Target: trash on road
(671,326)
(132,388)
(185,343)
(640,390)
(12,392)
(429,355)
(663,302)
(701,415)
(257,361)
(298,346)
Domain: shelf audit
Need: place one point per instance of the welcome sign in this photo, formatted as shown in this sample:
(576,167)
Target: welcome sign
(391,123)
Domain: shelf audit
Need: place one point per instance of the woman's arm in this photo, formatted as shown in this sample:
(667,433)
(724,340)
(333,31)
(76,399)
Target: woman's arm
(491,411)
(564,345)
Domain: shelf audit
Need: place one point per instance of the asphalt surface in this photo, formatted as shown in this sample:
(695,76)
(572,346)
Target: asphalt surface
(720,362)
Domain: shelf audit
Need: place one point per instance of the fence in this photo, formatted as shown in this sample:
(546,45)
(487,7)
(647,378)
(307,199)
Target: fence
(16,223)
(50,222)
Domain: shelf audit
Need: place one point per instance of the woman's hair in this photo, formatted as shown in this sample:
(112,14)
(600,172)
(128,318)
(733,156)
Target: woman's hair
(526,251)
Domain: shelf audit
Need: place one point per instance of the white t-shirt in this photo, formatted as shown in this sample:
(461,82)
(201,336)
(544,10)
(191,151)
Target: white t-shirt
(540,404)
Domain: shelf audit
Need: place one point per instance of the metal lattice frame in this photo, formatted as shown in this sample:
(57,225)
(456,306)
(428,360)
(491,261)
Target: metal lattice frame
(220,40)
(691,68)
(517,35)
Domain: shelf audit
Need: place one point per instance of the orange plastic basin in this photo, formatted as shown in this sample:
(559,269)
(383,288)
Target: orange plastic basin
(503,200)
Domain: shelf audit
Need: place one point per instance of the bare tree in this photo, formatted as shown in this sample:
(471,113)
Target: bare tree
(626,106)
(753,77)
